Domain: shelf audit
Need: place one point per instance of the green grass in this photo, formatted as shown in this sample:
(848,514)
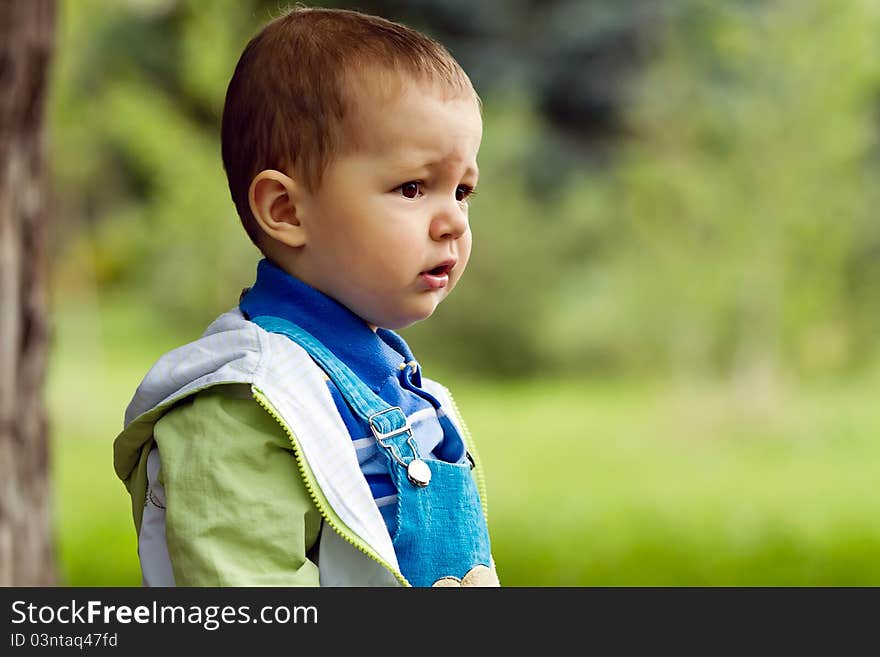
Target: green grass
(622,484)
(590,482)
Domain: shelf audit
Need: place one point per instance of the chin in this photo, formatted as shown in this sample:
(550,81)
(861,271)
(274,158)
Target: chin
(401,324)
(405,321)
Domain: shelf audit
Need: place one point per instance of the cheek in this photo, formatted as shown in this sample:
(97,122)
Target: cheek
(464,253)
(465,244)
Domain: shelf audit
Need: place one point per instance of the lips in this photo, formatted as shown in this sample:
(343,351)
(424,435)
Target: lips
(438,276)
(443,268)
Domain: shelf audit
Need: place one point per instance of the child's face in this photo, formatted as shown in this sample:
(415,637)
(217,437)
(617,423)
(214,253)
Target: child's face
(387,232)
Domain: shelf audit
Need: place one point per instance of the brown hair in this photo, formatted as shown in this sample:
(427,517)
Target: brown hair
(287,100)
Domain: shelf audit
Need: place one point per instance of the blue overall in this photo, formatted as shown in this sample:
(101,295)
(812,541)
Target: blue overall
(441,530)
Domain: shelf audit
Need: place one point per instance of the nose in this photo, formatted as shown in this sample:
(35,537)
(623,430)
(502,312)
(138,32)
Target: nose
(449,221)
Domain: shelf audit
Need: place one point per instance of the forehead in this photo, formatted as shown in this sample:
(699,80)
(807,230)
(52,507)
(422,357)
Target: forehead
(414,122)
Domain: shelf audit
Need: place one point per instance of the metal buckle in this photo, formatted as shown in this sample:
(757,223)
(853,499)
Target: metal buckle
(380,435)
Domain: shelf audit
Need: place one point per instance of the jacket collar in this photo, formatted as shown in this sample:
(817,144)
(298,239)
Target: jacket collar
(374,357)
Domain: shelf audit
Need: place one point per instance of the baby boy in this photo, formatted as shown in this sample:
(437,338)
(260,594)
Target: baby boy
(297,442)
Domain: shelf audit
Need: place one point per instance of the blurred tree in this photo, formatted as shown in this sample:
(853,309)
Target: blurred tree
(26,40)
(745,199)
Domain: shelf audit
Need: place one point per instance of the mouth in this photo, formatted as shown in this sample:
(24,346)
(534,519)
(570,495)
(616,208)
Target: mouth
(438,277)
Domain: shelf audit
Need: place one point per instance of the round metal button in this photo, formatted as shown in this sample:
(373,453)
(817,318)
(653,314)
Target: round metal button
(418,472)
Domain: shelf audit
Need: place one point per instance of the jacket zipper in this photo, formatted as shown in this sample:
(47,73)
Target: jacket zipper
(471,447)
(310,486)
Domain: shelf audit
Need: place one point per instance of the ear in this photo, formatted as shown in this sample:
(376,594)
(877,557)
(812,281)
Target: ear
(272,196)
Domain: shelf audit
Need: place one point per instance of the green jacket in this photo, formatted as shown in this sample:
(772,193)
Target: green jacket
(257,482)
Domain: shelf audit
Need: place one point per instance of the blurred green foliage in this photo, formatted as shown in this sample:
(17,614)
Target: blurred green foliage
(748,197)
(732,231)
(704,212)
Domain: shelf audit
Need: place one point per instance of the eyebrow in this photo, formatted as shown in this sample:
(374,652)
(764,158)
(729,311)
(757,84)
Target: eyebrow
(474,170)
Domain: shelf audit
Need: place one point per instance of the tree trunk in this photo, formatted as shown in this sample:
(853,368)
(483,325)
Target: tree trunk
(26,546)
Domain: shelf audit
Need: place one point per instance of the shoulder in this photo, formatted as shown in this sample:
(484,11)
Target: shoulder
(231,350)
(220,419)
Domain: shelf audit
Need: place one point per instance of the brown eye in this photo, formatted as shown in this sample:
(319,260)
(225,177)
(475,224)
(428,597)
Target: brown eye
(410,189)
(462,192)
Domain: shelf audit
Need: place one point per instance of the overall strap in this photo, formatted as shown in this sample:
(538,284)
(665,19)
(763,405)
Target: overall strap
(385,421)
